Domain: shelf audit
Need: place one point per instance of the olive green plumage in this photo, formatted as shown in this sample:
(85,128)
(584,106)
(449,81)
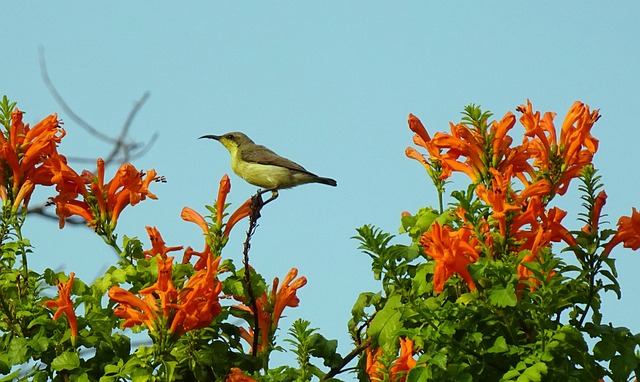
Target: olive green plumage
(262,167)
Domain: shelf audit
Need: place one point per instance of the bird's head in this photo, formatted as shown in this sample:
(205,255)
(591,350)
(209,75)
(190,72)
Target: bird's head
(230,140)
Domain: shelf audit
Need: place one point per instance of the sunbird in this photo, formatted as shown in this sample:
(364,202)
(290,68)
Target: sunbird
(262,167)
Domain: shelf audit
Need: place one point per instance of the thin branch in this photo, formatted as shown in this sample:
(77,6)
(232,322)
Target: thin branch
(65,106)
(345,361)
(121,151)
(256,206)
(120,143)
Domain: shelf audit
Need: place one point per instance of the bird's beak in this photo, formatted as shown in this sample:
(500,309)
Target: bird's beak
(216,137)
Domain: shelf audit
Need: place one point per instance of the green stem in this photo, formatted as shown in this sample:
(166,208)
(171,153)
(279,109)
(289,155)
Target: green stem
(23,253)
(592,287)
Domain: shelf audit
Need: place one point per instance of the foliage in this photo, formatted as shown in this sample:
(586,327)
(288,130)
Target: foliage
(482,292)
(490,287)
(195,332)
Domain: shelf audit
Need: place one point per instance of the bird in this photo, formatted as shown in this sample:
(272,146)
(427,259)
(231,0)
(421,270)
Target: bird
(262,167)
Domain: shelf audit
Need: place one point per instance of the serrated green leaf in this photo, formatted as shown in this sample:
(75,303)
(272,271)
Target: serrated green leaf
(499,346)
(440,360)
(501,296)
(17,350)
(66,361)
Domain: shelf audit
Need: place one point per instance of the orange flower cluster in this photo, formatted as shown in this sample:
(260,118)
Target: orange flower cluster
(193,307)
(270,307)
(560,160)
(63,304)
(543,164)
(401,366)
(197,303)
(452,251)
(191,215)
(28,156)
(100,202)
(158,246)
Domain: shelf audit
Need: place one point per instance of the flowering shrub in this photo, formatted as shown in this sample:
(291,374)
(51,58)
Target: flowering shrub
(84,333)
(482,292)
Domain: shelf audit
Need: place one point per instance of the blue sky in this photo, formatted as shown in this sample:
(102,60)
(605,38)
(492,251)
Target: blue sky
(329,85)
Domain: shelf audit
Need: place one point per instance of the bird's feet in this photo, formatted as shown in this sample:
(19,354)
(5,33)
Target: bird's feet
(274,195)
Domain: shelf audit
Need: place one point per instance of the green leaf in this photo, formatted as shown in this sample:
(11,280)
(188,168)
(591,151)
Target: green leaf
(501,296)
(440,360)
(18,350)
(466,298)
(386,323)
(533,373)
(11,377)
(418,374)
(499,346)
(420,286)
(81,378)
(364,300)
(66,361)
(325,349)
(605,349)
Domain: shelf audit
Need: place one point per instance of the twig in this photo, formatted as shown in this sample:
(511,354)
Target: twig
(121,151)
(65,107)
(345,361)
(256,206)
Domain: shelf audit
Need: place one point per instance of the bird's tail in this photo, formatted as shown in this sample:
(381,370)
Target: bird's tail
(328,181)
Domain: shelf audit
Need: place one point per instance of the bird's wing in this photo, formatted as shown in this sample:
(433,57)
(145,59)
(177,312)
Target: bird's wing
(263,155)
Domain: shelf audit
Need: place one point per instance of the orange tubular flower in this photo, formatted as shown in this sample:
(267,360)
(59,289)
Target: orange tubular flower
(628,233)
(64,305)
(601,200)
(194,307)
(198,301)
(134,310)
(497,197)
(452,252)
(462,142)
(22,152)
(102,203)
(286,295)
(163,287)
(400,368)
(270,308)
(128,187)
(190,215)
(223,191)
(565,158)
(158,246)
(422,139)
(545,227)
(242,212)
(238,376)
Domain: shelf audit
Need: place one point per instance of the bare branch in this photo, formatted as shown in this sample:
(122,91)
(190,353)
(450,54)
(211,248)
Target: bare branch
(63,104)
(120,142)
(121,152)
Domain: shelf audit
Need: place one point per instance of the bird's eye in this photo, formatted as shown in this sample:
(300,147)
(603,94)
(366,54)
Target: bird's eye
(229,136)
